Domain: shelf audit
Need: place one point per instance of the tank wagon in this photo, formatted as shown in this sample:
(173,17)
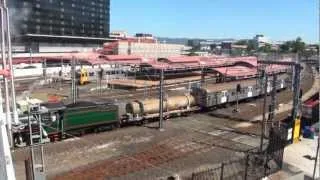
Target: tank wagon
(141,110)
(62,119)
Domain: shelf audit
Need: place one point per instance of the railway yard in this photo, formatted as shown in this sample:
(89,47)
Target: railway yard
(80,100)
(188,144)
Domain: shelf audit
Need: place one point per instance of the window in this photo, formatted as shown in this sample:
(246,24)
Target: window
(38,28)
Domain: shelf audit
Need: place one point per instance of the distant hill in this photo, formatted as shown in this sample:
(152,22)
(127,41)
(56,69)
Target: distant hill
(185,40)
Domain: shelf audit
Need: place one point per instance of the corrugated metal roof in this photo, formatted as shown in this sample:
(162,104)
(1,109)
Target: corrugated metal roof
(239,64)
(236,71)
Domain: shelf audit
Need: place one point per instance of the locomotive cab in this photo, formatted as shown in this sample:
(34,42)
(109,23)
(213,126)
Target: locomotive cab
(83,76)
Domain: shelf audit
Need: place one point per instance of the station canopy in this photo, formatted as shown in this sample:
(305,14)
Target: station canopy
(230,66)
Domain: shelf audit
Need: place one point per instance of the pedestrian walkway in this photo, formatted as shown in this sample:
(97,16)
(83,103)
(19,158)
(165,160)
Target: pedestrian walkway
(301,156)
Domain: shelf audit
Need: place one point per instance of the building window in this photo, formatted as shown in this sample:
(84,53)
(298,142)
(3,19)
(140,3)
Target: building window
(38,29)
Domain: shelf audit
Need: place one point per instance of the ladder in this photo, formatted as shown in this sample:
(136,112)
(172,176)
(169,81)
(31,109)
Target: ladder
(36,141)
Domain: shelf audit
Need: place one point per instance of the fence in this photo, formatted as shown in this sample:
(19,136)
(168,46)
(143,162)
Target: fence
(254,164)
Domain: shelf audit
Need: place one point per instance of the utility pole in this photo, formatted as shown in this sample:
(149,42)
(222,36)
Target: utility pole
(161,99)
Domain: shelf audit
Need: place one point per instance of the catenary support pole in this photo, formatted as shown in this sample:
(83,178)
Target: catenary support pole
(12,85)
(5,79)
(273,101)
(6,165)
(263,123)
(161,100)
(296,99)
(316,161)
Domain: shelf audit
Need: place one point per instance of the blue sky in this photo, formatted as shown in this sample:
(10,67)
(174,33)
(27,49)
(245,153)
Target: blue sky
(277,19)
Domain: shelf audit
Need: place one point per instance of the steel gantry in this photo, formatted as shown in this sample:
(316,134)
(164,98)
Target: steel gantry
(296,89)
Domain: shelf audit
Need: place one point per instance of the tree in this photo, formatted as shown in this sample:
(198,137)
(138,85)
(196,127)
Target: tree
(266,48)
(298,46)
(241,42)
(251,45)
(285,47)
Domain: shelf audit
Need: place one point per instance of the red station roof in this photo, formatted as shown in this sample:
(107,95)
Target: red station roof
(237,66)
(235,71)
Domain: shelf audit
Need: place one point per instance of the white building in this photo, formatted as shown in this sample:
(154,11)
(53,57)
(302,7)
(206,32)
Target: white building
(118,34)
(150,50)
(261,40)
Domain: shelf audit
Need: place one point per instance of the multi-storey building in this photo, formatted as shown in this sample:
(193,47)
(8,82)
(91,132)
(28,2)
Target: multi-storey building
(45,23)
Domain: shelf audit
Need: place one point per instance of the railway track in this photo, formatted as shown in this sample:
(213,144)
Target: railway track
(155,156)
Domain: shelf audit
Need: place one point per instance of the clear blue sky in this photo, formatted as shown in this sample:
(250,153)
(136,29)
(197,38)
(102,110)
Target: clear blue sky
(277,19)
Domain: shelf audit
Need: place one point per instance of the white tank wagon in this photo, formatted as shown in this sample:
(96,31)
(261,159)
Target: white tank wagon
(146,109)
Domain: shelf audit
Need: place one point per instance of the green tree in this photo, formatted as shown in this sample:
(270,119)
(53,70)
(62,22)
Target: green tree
(266,48)
(251,45)
(241,42)
(298,46)
(285,47)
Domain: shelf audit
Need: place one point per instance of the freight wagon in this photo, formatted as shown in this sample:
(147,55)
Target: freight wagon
(310,110)
(61,121)
(219,94)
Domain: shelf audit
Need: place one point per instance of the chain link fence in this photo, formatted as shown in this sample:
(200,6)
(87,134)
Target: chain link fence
(254,164)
